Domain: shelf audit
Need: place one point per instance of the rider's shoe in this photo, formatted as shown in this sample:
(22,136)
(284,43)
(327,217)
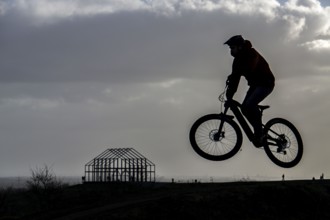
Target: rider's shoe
(259,141)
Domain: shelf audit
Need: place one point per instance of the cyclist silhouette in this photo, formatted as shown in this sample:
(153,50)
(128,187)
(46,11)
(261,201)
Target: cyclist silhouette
(250,64)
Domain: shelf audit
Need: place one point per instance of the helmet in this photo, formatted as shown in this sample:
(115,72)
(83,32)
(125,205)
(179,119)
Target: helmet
(235,41)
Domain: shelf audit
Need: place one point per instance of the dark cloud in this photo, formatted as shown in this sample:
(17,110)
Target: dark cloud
(114,48)
(124,47)
(139,46)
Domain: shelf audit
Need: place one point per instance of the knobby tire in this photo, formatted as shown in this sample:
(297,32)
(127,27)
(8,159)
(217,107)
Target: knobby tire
(293,150)
(202,137)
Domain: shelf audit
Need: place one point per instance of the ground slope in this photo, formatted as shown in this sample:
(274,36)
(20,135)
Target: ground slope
(239,200)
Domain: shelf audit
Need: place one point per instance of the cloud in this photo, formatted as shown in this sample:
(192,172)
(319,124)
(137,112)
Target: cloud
(50,9)
(166,84)
(308,17)
(317,45)
(126,41)
(296,26)
(3,8)
(44,9)
(30,102)
(304,6)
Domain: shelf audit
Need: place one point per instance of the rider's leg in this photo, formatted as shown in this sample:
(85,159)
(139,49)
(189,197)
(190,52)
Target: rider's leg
(250,107)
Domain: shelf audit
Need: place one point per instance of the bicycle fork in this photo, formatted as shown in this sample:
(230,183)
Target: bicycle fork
(221,134)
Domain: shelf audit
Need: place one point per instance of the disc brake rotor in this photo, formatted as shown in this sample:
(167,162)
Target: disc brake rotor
(216,136)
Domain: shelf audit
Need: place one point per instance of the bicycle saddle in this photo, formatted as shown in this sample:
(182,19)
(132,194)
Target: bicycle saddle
(263,107)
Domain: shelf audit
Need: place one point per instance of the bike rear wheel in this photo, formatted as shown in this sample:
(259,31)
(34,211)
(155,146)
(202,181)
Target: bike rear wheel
(284,144)
(205,143)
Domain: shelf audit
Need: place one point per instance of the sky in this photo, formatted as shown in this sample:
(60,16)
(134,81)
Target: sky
(80,76)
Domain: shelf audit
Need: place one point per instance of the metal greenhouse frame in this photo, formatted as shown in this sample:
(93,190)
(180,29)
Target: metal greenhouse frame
(120,165)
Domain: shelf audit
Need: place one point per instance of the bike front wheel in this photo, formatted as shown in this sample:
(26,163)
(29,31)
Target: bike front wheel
(284,145)
(212,144)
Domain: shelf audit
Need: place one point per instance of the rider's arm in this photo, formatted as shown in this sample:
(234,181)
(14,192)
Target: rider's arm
(233,80)
(246,65)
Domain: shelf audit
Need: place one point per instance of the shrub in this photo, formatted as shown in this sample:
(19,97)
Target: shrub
(43,179)
(44,185)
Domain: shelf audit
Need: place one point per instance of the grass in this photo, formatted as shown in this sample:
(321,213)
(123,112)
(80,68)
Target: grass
(237,200)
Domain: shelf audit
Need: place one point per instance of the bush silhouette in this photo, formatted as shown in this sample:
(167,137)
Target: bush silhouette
(44,185)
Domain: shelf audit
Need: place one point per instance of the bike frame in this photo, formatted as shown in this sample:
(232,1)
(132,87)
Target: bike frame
(235,107)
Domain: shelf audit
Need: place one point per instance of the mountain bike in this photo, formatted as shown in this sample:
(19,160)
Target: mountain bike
(218,137)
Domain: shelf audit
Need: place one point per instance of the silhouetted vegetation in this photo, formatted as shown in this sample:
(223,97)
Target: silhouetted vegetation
(238,200)
(44,187)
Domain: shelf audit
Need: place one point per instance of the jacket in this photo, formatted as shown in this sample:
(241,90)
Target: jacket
(250,64)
